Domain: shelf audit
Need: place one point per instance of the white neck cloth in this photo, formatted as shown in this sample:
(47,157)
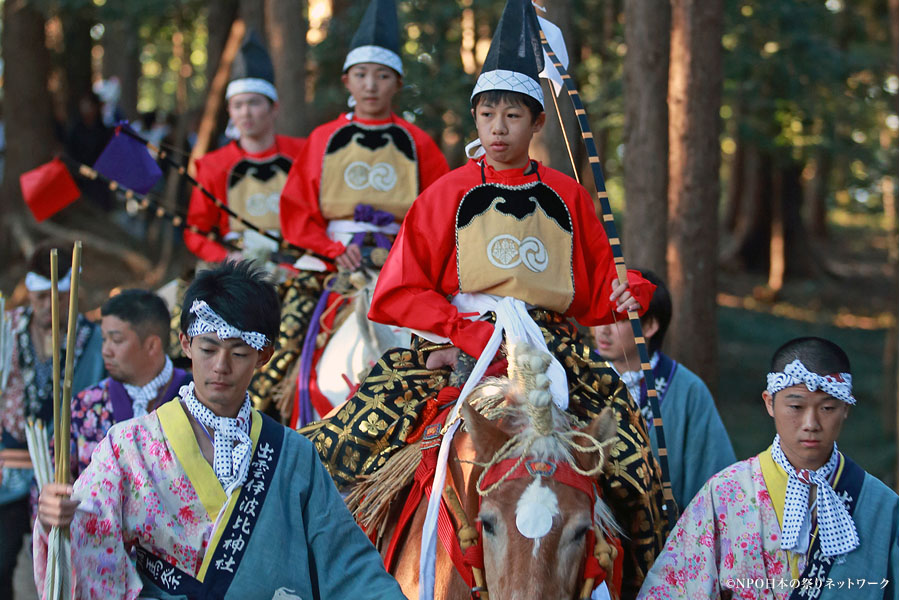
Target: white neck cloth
(837,385)
(633,379)
(207,321)
(142,395)
(232,444)
(837,531)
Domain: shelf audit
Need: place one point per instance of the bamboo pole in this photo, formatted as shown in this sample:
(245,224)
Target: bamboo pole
(54,348)
(62,451)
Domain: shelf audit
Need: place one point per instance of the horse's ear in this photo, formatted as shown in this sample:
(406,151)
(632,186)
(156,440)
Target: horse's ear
(486,437)
(603,429)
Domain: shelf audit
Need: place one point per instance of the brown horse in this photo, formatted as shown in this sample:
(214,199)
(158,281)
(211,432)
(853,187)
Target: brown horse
(526,474)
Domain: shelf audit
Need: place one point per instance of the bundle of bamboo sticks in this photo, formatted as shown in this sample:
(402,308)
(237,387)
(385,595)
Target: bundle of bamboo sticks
(57,584)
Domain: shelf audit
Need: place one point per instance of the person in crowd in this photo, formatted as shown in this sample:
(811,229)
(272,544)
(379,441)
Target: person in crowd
(202,495)
(135,329)
(798,520)
(247,174)
(29,390)
(697,444)
(344,200)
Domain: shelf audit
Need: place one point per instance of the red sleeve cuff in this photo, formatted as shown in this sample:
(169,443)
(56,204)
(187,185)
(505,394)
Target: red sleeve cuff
(641,289)
(471,336)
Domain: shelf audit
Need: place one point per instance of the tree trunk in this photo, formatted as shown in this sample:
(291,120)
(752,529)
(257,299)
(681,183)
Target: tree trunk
(76,57)
(121,58)
(601,134)
(253,14)
(646,134)
(286,26)
(28,112)
(221,14)
(817,196)
(752,204)
(215,96)
(695,88)
(777,254)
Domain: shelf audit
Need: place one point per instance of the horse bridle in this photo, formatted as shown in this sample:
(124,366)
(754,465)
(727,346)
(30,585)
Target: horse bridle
(470,539)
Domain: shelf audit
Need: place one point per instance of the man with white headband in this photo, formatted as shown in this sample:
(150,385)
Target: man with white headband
(204,496)
(248,173)
(799,517)
(29,389)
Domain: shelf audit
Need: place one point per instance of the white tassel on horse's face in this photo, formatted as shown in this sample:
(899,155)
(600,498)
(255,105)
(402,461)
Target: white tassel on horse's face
(535,512)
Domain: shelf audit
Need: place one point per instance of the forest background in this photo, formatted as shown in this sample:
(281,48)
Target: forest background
(750,150)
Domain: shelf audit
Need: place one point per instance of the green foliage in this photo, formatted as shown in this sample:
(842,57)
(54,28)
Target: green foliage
(803,77)
(155,22)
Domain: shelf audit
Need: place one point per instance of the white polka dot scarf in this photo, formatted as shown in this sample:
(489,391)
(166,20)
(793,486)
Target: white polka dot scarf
(232,444)
(837,532)
(208,321)
(141,396)
(836,385)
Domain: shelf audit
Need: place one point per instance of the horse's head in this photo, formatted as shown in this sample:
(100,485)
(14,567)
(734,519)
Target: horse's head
(538,494)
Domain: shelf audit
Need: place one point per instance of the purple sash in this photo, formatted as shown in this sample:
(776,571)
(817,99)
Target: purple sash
(122,404)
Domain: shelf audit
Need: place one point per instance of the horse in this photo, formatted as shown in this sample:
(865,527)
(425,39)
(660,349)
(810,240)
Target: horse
(521,495)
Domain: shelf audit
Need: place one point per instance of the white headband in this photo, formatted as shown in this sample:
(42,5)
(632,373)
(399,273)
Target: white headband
(838,385)
(207,321)
(373,54)
(255,85)
(39,283)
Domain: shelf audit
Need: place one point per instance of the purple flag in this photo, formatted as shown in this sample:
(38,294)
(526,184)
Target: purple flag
(127,161)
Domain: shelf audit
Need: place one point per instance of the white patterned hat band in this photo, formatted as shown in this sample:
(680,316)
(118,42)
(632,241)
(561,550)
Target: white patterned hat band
(253,85)
(511,81)
(373,54)
(39,283)
(207,321)
(837,385)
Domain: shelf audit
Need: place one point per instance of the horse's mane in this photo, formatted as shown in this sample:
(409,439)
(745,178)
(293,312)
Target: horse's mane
(521,404)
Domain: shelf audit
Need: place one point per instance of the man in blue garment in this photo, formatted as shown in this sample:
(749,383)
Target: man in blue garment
(205,494)
(697,443)
(800,520)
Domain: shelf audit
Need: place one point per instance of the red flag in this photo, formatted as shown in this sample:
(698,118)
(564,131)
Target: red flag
(48,189)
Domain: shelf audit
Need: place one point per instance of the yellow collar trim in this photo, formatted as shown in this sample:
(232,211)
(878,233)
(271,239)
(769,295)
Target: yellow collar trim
(776,483)
(180,435)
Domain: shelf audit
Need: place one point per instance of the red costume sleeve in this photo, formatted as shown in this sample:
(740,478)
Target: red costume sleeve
(302,223)
(432,164)
(290,146)
(420,272)
(212,170)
